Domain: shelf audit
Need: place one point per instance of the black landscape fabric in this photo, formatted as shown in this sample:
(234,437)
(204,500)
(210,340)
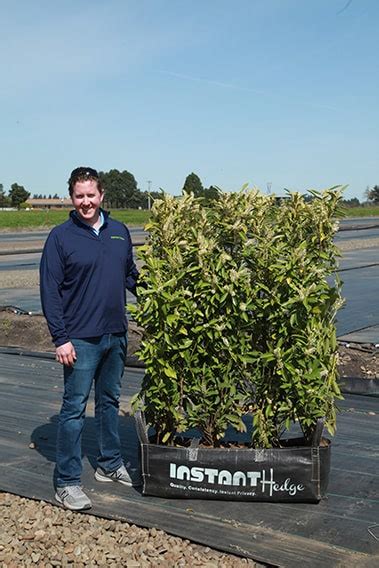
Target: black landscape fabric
(336,531)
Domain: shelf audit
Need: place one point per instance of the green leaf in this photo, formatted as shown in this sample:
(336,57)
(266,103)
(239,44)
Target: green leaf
(166,437)
(170,372)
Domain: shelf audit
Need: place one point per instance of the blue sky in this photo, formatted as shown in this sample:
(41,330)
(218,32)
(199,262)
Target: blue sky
(256,91)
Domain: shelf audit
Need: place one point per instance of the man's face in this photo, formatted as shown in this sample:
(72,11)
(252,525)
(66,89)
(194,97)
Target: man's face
(86,199)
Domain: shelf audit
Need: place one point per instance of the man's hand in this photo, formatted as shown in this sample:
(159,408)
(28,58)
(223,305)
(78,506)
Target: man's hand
(65,354)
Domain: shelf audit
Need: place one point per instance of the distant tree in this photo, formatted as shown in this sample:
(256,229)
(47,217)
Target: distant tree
(373,194)
(193,185)
(120,189)
(155,195)
(366,192)
(353,202)
(18,195)
(308,197)
(4,200)
(145,198)
(49,195)
(211,193)
(55,196)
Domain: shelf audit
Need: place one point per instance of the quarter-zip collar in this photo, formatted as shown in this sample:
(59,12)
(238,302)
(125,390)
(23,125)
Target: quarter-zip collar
(76,219)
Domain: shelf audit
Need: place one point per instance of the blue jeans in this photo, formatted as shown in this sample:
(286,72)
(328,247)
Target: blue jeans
(100,360)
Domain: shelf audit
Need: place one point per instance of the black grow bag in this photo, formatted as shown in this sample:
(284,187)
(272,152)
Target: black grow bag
(296,473)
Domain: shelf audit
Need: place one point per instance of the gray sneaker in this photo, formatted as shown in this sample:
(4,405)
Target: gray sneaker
(121,475)
(73,497)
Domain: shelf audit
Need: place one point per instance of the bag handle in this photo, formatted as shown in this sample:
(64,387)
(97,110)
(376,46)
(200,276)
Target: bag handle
(316,437)
(141,427)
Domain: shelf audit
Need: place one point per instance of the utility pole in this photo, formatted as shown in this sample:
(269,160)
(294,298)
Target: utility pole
(268,185)
(148,194)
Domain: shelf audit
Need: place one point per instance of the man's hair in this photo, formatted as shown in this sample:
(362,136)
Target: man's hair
(83,173)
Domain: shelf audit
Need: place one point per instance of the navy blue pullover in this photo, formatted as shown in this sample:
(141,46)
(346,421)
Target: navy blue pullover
(83,278)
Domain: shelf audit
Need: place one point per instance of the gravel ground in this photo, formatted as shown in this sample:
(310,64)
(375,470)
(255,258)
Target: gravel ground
(11,246)
(19,279)
(355,244)
(30,278)
(35,533)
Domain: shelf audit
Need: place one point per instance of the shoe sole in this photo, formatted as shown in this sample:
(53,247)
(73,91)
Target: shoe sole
(57,498)
(105,479)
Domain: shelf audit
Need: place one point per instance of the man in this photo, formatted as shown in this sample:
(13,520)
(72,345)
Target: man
(86,266)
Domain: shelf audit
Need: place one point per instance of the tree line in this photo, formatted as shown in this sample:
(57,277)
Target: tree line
(122,192)
(194,185)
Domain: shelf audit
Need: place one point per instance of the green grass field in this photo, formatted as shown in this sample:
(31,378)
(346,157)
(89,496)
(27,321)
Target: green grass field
(15,220)
(361,211)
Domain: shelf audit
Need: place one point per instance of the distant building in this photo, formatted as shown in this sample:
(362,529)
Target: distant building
(52,203)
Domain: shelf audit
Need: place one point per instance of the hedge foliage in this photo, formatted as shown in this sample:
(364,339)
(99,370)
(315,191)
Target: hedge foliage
(238,308)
